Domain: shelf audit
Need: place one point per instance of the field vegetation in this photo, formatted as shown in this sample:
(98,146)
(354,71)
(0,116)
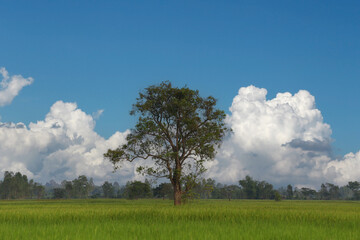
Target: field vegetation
(159,219)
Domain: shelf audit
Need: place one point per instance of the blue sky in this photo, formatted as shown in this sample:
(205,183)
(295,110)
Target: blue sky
(99,54)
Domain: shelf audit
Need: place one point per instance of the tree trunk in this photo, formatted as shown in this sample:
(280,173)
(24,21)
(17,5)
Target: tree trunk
(176,183)
(177,194)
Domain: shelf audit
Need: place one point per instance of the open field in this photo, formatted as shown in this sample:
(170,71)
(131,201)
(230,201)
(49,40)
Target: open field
(159,219)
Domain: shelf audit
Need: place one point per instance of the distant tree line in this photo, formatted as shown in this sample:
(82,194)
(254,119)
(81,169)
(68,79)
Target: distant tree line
(17,186)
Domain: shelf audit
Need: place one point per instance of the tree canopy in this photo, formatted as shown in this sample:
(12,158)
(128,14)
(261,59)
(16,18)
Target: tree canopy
(178,130)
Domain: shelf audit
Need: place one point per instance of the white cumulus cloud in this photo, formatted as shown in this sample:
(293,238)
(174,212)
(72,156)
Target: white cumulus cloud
(10,86)
(282,140)
(344,170)
(62,146)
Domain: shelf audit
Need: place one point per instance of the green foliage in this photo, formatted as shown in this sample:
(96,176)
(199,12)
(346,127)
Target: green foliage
(78,188)
(137,189)
(228,191)
(355,188)
(177,129)
(108,190)
(38,191)
(277,196)
(256,189)
(308,193)
(82,187)
(59,193)
(17,186)
(329,191)
(249,187)
(205,187)
(164,190)
(289,192)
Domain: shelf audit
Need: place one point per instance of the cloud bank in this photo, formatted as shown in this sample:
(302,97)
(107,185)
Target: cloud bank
(281,140)
(63,146)
(11,86)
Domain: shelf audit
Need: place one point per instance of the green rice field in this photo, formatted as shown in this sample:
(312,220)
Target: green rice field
(159,219)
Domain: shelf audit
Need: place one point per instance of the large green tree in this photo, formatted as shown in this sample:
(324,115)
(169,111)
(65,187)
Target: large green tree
(177,130)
